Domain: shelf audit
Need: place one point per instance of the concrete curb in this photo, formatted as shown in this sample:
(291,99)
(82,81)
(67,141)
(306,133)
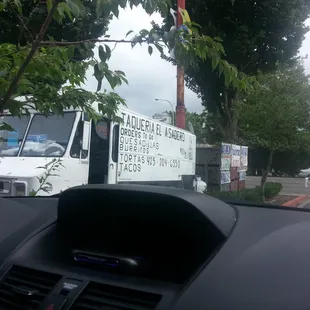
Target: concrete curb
(296,201)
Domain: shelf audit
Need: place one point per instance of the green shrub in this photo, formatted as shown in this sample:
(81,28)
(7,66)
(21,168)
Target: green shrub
(250,194)
(272,189)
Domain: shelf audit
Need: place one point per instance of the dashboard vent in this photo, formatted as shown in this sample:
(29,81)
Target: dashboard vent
(102,296)
(25,288)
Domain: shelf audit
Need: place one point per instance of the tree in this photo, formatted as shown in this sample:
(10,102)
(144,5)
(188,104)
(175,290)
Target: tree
(213,132)
(257,35)
(198,122)
(202,125)
(276,116)
(50,59)
(205,127)
(19,29)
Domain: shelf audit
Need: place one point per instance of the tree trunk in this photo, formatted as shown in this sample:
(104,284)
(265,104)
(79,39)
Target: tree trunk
(265,173)
(229,116)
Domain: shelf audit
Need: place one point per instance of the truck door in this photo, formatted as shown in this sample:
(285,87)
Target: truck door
(113,153)
(99,152)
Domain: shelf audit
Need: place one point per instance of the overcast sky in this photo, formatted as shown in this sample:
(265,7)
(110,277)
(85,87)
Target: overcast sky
(149,77)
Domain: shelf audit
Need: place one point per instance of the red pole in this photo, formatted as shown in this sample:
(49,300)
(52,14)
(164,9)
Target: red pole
(180,108)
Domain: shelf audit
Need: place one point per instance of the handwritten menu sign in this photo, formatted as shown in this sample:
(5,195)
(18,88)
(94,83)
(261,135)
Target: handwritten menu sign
(235,155)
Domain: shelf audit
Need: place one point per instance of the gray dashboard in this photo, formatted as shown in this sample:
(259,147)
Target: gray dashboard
(233,256)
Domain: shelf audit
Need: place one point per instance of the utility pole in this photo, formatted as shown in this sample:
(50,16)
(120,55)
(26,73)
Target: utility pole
(180,108)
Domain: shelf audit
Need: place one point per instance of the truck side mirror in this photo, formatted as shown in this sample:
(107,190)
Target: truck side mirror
(86,131)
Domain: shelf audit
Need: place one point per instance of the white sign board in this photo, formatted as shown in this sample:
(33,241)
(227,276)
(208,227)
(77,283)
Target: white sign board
(225,163)
(242,175)
(226,149)
(150,150)
(225,156)
(235,155)
(244,156)
(225,177)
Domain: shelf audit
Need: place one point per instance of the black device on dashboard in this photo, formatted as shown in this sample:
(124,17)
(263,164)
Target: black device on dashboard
(161,235)
(109,261)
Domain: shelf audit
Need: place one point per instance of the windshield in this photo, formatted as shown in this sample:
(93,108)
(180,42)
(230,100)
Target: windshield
(48,136)
(10,141)
(241,87)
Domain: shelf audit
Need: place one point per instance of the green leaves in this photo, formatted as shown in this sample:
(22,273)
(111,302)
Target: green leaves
(49,4)
(275,115)
(15,3)
(52,64)
(128,33)
(5,126)
(51,169)
(150,50)
(104,52)
(62,10)
(101,6)
(114,78)
(18,6)
(163,7)
(192,47)
(76,7)
(68,8)
(99,75)
(114,8)
(215,61)
(101,69)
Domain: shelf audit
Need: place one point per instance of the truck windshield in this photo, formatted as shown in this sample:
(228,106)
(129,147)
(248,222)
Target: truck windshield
(10,141)
(48,136)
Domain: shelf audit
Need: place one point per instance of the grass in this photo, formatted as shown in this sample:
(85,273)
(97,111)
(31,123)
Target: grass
(250,194)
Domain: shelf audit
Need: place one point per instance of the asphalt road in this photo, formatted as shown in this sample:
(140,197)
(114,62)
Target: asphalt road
(291,186)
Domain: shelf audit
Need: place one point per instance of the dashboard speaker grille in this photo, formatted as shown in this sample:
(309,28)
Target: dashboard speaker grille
(102,296)
(25,288)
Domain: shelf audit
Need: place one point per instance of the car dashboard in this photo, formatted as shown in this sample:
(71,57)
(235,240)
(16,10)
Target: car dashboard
(145,247)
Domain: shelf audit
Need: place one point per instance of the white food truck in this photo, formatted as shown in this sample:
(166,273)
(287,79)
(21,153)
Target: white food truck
(139,150)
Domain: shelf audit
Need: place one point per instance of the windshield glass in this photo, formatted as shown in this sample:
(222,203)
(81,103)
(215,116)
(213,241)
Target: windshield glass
(10,141)
(48,136)
(232,120)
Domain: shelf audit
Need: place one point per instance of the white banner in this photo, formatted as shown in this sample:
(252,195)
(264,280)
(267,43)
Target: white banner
(242,175)
(225,163)
(150,150)
(226,149)
(225,177)
(244,156)
(235,155)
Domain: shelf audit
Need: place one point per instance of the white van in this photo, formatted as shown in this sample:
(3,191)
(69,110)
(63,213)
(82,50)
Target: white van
(139,150)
